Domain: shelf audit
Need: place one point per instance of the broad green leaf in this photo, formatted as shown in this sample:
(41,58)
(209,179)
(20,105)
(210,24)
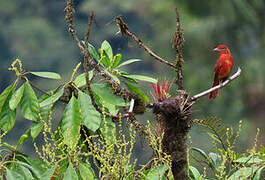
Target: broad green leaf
(48,174)
(31,167)
(142,78)
(4,95)
(81,79)
(50,75)
(37,166)
(16,97)
(138,91)
(91,117)
(23,171)
(243,173)
(250,160)
(128,62)
(258,175)
(24,138)
(86,171)
(52,99)
(194,172)
(107,129)
(7,115)
(106,94)
(201,152)
(35,129)
(30,108)
(92,51)
(116,60)
(107,48)
(12,175)
(71,122)
(70,173)
(157,172)
(114,77)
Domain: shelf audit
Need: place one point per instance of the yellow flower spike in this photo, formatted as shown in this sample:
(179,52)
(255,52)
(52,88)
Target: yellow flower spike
(14,68)
(75,70)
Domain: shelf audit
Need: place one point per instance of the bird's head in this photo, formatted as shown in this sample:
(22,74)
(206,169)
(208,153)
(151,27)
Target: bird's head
(222,49)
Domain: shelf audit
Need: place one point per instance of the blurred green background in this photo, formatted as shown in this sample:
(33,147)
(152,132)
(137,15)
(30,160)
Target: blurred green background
(35,32)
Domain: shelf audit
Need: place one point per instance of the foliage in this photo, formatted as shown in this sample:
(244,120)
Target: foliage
(85,141)
(223,161)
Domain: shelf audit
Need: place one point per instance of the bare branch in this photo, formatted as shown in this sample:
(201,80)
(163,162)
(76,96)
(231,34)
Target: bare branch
(204,93)
(69,9)
(178,41)
(124,29)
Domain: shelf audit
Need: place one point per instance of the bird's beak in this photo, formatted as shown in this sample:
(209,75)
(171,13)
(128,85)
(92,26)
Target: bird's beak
(216,49)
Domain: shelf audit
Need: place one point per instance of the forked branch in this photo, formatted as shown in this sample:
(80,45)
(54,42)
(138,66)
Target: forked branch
(204,93)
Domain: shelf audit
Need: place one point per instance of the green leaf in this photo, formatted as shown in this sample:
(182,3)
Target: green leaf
(23,171)
(48,174)
(258,174)
(142,78)
(50,75)
(7,115)
(157,172)
(15,99)
(71,123)
(201,152)
(30,108)
(106,94)
(52,99)
(35,129)
(37,166)
(138,91)
(114,77)
(91,117)
(194,172)
(70,173)
(81,79)
(4,95)
(12,175)
(250,159)
(107,48)
(35,171)
(92,51)
(116,60)
(243,173)
(128,62)
(86,171)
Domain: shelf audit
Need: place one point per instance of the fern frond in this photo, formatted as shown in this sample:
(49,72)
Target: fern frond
(217,129)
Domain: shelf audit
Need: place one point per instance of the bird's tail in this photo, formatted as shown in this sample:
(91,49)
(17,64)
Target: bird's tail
(215,93)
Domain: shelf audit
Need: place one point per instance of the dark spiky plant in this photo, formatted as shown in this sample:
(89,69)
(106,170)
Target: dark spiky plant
(173,122)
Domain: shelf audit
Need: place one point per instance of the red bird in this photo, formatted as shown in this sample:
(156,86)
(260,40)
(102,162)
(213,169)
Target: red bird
(223,68)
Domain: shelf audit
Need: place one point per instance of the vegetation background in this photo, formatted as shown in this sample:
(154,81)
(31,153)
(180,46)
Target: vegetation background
(35,32)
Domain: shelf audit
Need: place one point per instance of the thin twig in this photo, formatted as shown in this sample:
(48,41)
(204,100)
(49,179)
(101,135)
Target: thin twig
(178,41)
(204,93)
(124,29)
